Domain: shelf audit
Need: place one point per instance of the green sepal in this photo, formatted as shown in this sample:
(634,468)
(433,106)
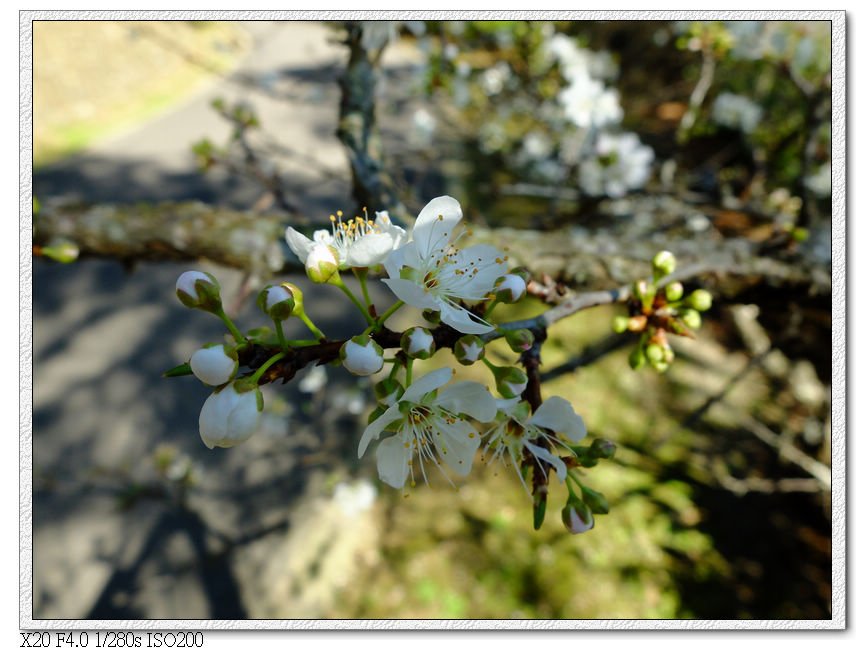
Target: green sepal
(178,371)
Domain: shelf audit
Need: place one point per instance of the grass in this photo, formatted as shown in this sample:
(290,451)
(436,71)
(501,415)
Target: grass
(92,79)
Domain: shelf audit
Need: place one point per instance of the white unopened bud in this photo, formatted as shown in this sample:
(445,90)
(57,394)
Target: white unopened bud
(510,288)
(198,290)
(321,263)
(277,302)
(362,356)
(214,364)
(468,349)
(229,417)
(577,517)
(510,381)
(418,343)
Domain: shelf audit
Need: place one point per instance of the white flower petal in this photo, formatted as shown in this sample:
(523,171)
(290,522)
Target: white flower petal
(552,459)
(461,320)
(244,417)
(456,445)
(426,384)
(212,366)
(434,225)
(556,413)
(373,431)
(299,244)
(469,397)
(483,258)
(412,294)
(393,456)
(369,250)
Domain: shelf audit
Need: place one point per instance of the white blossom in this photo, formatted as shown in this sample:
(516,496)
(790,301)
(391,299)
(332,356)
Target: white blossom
(620,164)
(517,430)
(430,273)
(358,242)
(736,112)
(588,104)
(429,423)
(821,182)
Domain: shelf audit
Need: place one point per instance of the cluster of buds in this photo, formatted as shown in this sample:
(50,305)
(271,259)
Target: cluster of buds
(657,309)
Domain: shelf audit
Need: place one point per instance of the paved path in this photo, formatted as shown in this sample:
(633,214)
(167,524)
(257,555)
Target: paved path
(102,336)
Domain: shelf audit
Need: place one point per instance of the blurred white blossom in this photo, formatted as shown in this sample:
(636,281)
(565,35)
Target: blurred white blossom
(821,182)
(621,163)
(736,112)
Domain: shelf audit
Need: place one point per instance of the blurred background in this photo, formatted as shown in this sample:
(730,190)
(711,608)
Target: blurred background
(588,147)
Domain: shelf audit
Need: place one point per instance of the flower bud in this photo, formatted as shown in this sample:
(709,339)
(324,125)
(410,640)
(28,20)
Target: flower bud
(509,288)
(297,295)
(432,316)
(602,448)
(519,340)
(637,323)
(620,324)
(596,501)
(701,300)
(577,517)
(199,290)
(691,318)
(660,366)
(510,381)
(674,291)
(468,349)
(362,356)
(654,353)
(417,343)
(230,415)
(522,272)
(636,359)
(664,263)
(276,301)
(214,364)
(387,392)
(321,263)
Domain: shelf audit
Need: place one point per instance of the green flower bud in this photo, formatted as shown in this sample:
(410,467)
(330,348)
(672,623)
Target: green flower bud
(660,366)
(510,381)
(654,353)
(577,517)
(276,301)
(674,291)
(417,343)
(596,501)
(691,319)
(199,290)
(602,448)
(664,263)
(701,300)
(321,263)
(297,295)
(388,391)
(432,316)
(468,349)
(620,324)
(519,340)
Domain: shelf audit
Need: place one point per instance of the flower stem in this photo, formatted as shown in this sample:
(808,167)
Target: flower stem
(337,281)
(408,365)
(300,343)
(267,364)
(317,333)
(390,312)
(230,325)
(489,309)
(361,275)
(280,334)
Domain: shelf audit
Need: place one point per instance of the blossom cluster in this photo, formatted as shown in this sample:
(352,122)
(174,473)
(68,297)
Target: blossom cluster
(422,423)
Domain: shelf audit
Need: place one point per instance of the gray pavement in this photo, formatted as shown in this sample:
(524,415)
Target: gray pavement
(114,538)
